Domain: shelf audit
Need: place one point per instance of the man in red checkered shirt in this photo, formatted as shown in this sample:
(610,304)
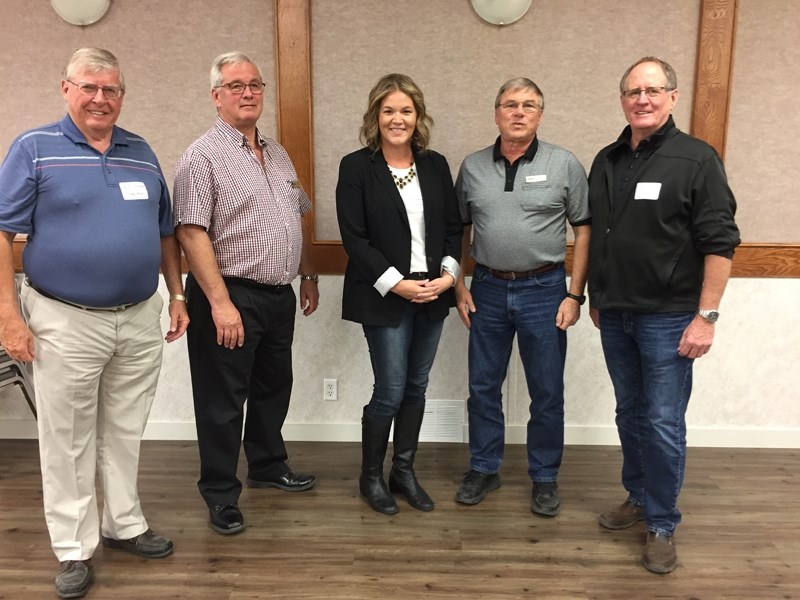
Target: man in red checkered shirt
(237,213)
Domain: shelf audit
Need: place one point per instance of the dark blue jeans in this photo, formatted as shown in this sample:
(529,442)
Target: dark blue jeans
(652,384)
(401,359)
(526,308)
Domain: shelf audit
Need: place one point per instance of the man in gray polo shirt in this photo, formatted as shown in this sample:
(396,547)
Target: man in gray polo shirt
(518,196)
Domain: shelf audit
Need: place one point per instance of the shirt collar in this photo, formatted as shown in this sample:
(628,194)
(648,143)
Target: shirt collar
(529,153)
(75,135)
(653,140)
(236,136)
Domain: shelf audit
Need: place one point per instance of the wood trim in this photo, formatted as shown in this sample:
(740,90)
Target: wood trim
(293,97)
(712,89)
(750,260)
(715,46)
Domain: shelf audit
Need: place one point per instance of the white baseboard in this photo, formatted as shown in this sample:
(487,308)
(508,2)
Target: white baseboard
(515,434)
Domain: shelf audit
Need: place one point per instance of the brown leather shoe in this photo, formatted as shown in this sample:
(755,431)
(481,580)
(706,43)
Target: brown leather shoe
(622,517)
(659,553)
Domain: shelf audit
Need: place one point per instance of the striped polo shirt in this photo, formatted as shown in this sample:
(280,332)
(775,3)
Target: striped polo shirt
(94,221)
(251,213)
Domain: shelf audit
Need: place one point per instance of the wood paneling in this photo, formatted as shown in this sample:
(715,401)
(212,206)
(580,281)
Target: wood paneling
(712,89)
(738,539)
(709,122)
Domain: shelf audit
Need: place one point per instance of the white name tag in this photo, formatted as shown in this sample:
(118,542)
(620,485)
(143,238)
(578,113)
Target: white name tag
(535,178)
(133,190)
(647,190)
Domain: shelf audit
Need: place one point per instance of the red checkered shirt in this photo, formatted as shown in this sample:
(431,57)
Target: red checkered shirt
(251,213)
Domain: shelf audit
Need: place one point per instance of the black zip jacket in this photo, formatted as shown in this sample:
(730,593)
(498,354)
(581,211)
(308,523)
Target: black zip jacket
(648,247)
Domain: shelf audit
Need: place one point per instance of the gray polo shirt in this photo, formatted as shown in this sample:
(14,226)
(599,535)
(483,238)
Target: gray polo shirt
(525,228)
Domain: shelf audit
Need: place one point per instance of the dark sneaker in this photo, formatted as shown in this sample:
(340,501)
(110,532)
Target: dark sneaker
(659,553)
(544,498)
(475,486)
(147,545)
(625,515)
(74,579)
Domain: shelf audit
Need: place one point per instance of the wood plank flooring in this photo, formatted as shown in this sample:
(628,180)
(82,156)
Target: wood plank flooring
(740,536)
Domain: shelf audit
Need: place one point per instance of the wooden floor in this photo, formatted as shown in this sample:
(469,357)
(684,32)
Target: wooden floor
(740,536)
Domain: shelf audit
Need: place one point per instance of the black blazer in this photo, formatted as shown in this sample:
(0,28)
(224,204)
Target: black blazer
(376,234)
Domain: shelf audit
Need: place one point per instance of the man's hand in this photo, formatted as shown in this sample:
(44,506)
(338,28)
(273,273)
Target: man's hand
(568,314)
(230,330)
(697,338)
(17,340)
(178,320)
(309,296)
(464,304)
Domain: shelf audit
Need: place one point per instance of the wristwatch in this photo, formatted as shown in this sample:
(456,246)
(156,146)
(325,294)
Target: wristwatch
(314,278)
(579,299)
(709,315)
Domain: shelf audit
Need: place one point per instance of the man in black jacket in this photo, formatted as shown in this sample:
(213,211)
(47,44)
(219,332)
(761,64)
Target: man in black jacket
(659,261)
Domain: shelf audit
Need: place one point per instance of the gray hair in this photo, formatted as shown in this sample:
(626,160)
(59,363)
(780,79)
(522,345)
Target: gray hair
(519,83)
(229,58)
(669,72)
(92,60)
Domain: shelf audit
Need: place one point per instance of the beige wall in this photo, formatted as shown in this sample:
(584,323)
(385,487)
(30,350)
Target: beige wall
(165,50)
(762,156)
(576,50)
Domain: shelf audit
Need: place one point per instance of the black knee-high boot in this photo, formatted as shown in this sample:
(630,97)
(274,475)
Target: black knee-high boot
(374,440)
(402,479)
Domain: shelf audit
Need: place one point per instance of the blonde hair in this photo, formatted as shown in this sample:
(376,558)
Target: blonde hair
(370,134)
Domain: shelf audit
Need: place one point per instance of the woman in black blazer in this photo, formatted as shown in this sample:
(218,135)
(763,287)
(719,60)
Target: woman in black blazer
(401,229)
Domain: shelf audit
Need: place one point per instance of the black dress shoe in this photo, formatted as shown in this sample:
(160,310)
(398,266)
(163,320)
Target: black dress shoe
(147,545)
(226,519)
(288,482)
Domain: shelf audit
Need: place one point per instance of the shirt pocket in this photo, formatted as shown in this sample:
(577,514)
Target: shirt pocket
(540,197)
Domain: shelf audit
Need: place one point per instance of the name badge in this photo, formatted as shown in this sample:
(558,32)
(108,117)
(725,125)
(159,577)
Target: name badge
(647,190)
(133,190)
(535,178)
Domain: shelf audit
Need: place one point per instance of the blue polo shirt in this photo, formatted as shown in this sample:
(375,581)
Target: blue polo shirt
(94,221)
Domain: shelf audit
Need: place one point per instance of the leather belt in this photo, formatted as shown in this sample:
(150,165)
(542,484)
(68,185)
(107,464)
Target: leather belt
(417,276)
(251,283)
(512,275)
(117,308)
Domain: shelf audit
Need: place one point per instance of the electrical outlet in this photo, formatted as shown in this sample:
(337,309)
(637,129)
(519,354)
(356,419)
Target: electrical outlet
(329,389)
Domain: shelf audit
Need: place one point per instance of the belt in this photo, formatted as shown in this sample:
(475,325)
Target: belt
(417,276)
(252,283)
(117,308)
(512,275)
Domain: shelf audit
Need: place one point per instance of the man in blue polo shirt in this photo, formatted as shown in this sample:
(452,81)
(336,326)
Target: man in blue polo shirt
(93,201)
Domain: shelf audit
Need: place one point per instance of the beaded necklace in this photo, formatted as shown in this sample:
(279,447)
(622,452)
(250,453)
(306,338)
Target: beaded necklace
(402,182)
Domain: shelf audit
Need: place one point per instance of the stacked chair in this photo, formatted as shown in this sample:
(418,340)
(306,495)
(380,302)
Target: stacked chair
(14,372)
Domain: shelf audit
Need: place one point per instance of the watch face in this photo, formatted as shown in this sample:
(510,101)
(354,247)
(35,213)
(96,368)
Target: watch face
(709,315)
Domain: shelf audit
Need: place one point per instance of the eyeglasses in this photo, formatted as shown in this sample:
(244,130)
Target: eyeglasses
(651,92)
(527,107)
(237,87)
(89,89)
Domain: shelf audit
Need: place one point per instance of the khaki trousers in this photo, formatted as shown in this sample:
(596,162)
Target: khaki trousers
(95,377)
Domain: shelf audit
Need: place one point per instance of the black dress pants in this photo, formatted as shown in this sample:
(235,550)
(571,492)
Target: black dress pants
(260,372)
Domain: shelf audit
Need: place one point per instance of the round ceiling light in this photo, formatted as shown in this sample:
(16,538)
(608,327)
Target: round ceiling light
(81,12)
(501,12)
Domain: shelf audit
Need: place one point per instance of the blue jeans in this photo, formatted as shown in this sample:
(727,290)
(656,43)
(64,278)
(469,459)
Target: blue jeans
(652,384)
(401,359)
(526,308)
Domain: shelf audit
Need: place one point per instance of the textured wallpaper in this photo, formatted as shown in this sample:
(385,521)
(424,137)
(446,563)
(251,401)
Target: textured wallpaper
(165,51)
(761,153)
(576,51)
